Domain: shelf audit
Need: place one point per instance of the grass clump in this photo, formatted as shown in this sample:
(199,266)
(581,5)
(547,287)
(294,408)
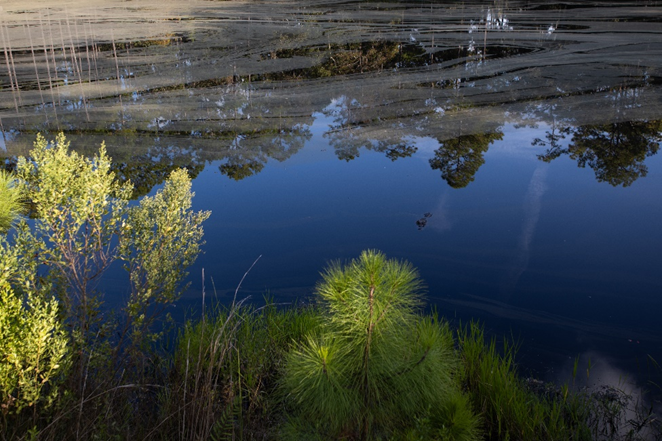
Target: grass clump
(11,205)
(510,411)
(225,371)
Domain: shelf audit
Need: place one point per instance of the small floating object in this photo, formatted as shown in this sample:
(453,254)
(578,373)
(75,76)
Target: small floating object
(422,222)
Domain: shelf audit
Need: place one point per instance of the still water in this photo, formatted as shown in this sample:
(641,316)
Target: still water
(508,149)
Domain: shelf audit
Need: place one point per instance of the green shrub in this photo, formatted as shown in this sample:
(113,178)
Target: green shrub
(376,365)
(33,350)
(452,420)
(83,223)
(34,353)
(159,240)
(79,208)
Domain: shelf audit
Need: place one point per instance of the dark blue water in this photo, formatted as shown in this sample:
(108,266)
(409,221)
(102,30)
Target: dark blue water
(541,251)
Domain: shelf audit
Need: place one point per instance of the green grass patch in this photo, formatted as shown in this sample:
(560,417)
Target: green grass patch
(11,205)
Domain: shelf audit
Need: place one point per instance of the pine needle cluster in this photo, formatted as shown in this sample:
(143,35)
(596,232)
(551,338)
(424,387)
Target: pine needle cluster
(376,365)
(11,205)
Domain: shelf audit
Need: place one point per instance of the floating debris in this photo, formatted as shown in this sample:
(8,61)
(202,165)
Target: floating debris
(422,222)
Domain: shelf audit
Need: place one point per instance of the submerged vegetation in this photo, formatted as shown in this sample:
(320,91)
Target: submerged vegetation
(362,362)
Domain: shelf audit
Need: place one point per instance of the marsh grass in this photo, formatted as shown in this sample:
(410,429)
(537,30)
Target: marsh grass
(510,411)
(225,371)
(515,409)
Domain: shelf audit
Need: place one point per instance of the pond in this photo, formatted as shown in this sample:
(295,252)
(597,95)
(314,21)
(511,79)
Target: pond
(507,149)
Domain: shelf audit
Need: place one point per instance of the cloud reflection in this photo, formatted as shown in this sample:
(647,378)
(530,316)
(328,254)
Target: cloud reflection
(599,378)
(532,204)
(440,221)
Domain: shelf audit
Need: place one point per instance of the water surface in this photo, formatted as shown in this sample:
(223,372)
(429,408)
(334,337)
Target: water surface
(508,149)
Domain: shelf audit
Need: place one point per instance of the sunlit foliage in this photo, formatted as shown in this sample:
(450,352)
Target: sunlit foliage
(376,365)
(51,314)
(10,201)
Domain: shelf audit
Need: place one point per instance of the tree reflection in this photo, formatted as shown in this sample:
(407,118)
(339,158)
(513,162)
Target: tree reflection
(351,131)
(396,151)
(345,134)
(348,143)
(146,173)
(554,136)
(348,59)
(459,158)
(616,152)
(239,167)
(247,156)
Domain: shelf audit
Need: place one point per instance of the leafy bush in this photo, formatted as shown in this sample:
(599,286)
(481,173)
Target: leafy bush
(33,350)
(51,311)
(83,224)
(79,209)
(160,239)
